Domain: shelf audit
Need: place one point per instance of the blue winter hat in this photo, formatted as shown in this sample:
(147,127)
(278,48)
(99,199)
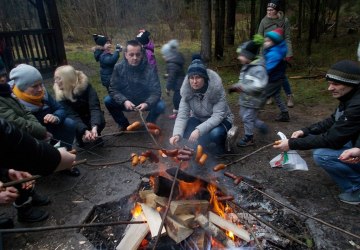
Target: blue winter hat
(276,35)
(24,76)
(197,67)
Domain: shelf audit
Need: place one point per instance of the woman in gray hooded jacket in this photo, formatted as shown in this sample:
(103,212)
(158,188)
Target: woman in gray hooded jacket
(204,116)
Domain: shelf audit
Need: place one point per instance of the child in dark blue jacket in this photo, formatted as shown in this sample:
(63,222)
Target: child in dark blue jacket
(102,54)
(275,50)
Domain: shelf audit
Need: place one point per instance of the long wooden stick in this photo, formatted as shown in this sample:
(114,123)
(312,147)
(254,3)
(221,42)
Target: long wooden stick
(246,156)
(48,228)
(167,206)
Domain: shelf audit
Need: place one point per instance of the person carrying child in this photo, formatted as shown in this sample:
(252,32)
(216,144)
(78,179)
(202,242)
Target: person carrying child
(251,86)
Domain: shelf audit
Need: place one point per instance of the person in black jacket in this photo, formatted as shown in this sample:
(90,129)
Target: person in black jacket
(337,133)
(80,100)
(23,155)
(175,73)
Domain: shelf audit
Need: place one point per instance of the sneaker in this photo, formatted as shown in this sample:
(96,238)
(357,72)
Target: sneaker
(352,198)
(246,141)
(27,213)
(172,116)
(283,117)
(74,172)
(290,101)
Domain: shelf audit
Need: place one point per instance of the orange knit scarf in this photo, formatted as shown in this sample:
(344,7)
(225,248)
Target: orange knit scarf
(36,100)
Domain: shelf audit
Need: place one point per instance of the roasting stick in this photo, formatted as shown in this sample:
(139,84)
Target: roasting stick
(167,205)
(147,129)
(48,228)
(34,177)
(123,132)
(222,166)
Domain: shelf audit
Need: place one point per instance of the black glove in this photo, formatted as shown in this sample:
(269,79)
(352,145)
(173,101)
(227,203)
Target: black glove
(118,47)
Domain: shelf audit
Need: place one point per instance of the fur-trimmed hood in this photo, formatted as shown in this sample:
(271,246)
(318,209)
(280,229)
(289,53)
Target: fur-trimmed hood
(71,90)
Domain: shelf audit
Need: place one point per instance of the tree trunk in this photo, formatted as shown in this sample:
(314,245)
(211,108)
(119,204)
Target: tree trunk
(337,18)
(252,18)
(219,28)
(230,21)
(316,32)
(205,23)
(300,18)
(311,28)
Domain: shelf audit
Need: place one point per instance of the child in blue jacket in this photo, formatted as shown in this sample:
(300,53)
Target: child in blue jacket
(102,54)
(275,50)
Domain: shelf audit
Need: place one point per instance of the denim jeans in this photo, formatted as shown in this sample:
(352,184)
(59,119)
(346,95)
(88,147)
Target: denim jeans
(216,135)
(347,176)
(116,111)
(250,119)
(286,86)
(63,132)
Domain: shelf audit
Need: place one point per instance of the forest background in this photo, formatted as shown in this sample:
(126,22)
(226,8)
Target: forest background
(323,31)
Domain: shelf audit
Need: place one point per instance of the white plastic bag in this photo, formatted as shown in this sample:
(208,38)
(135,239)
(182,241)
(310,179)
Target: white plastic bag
(289,160)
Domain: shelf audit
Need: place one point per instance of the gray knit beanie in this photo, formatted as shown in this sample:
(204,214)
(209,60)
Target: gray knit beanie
(169,49)
(24,76)
(346,72)
(197,67)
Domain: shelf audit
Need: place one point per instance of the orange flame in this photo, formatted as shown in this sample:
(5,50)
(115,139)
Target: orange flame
(217,206)
(230,235)
(189,189)
(136,211)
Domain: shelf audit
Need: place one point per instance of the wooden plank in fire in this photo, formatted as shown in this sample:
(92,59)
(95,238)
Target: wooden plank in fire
(134,234)
(177,231)
(189,206)
(153,219)
(224,224)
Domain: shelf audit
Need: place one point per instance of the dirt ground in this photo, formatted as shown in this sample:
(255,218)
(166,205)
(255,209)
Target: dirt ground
(311,192)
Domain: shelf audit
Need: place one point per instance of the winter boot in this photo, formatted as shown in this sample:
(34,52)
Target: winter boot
(27,213)
(290,101)
(247,140)
(39,200)
(6,223)
(283,117)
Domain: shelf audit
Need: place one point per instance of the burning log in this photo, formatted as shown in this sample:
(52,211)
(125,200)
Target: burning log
(177,231)
(224,224)
(153,219)
(189,206)
(151,199)
(186,219)
(162,186)
(134,234)
(214,231)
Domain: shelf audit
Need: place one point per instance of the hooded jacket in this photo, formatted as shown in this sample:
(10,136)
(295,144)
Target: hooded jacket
(211,108)
(274,61)
(150,54)
(86,107)
(175,71)
(268,24)
(138,84)
(252,82)
(335,131)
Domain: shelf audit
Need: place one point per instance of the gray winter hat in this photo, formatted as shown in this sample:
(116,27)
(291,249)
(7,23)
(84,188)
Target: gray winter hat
(346,72)
(24,76)
(168,50)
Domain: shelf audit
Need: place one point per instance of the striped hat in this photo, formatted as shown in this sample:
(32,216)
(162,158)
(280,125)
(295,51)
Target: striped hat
(346,72)
(197,67)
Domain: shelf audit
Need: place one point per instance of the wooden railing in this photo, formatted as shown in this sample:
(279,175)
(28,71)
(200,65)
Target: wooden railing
(35,47)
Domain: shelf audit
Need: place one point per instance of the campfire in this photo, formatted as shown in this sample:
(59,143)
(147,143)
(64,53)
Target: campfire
(197,212)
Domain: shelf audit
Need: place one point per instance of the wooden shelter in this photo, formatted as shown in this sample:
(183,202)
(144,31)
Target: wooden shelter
(30,32)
